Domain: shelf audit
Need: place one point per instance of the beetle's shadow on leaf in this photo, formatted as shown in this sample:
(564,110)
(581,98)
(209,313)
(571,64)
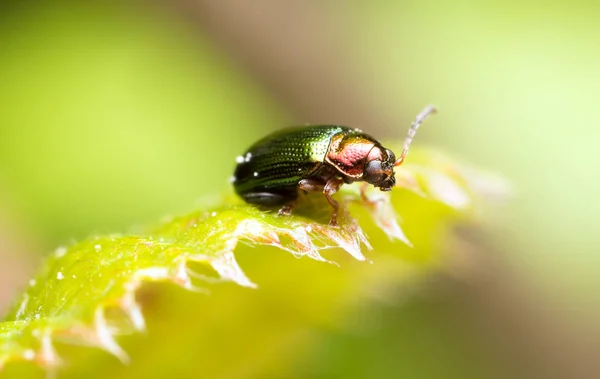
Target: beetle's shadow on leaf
(313,207)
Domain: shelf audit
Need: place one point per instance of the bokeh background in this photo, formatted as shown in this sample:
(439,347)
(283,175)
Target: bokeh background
(116,113)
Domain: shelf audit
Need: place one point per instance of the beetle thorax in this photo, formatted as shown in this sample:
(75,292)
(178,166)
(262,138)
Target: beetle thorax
(348,153)
(359,157)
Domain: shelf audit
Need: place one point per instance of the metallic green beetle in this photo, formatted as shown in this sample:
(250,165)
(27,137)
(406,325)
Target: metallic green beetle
(315,159)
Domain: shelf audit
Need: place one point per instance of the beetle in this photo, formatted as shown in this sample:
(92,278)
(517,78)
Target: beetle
(319,158)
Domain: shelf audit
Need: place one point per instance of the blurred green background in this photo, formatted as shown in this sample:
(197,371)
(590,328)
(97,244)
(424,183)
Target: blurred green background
(114,114)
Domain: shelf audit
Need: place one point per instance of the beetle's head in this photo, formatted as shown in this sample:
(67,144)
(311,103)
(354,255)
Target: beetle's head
(379,168)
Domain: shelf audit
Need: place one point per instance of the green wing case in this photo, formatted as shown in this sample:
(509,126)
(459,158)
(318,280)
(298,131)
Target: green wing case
(279,161)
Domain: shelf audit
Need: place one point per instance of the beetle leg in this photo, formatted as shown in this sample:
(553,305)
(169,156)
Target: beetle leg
(365,198)
(286,210)
(328,188)
(311,185)
(363,192)
(308,185)
(331,187)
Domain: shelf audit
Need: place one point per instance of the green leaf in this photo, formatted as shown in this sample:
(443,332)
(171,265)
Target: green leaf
(88,293)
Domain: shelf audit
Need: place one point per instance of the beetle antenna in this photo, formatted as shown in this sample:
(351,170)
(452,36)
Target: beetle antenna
(413,130)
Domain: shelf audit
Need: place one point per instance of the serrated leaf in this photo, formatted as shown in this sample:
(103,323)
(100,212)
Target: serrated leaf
(86,293)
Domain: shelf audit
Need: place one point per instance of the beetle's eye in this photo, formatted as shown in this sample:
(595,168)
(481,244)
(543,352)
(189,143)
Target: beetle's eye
(374,173)
(391,155)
